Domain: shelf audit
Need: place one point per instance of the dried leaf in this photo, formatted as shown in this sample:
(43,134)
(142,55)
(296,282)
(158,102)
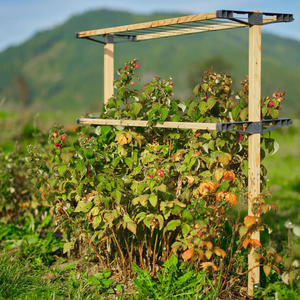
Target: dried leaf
(208,245)
(207,187)
(220,252)
(220,195)
(277,269)
(188,254)
(228,176)
(246,242)
(296,231)
(231,198)
(286,278)
(278,258)
(255,243)
(274,206)
(207,264)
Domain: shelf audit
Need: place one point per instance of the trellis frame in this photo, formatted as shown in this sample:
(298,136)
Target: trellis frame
(219,20)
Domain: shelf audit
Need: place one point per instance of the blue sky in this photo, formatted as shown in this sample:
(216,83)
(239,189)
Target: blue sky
(21,19)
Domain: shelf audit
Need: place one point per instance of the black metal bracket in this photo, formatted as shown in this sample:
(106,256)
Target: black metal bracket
(254,127)
(254,18)
(110,38)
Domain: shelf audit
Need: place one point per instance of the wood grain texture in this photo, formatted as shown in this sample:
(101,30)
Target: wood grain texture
(108,71)
(254,140)
(179,125)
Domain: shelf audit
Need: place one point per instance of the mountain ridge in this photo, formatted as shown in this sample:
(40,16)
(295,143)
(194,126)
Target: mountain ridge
(58,69)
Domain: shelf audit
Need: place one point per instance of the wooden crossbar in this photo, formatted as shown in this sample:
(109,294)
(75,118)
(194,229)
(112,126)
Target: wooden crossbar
(146,25)
(175,125)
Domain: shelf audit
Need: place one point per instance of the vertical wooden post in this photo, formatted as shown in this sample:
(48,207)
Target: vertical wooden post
(254,139)
(108,71)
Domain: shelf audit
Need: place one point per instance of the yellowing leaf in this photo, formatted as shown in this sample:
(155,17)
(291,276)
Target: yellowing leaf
(207,188)
(188,254)
(267,270)
(278,258)
(265,208)
(207,264)
(220,252)
(219,174)
(274,206)
(208,254)
(224,158)
(243,230)
(122,140)
(249,221)
(208,244)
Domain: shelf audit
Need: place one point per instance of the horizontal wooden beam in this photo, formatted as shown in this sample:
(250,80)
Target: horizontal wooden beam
(178,125)
(146,25)
(191,30)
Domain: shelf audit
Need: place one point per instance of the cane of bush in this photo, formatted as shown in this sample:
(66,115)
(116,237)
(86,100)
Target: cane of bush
(142,194)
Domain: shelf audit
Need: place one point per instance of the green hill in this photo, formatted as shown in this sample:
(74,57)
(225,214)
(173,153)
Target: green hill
(54,70)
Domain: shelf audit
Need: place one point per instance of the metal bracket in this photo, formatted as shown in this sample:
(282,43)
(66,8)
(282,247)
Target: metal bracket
(110,38)
(254,18)
(254,127)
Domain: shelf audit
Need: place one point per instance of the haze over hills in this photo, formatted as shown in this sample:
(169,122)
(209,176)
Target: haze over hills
(54,70)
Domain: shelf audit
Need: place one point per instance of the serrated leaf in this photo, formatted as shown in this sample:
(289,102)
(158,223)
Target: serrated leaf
(135,108)
(142,199)
(162,188)
(196,89)
(68,246)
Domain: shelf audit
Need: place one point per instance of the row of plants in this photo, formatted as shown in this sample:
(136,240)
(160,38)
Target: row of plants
(165,205)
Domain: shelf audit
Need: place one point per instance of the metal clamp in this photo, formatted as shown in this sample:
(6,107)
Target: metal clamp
(254,127)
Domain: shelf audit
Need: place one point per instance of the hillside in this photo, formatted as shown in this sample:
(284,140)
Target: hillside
(54,70)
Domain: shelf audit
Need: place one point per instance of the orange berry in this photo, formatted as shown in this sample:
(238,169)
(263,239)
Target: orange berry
(82,133)
(132,83)
(274,95)
(171,86)
(171,82)
(54,134)
(214,77)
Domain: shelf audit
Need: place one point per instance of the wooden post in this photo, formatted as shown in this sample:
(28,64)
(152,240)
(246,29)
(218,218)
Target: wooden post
(254,140)
(108,71)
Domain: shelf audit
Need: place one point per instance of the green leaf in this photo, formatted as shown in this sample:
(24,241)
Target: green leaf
(66,156)
(276,147)
(92,281)
(135,108)
(203,107)
(235,112)
(196,89)
(163,113)
(162,188)
(142,199)
(118,196)
(296,251)
(83,206)
(68,246)
(172,225)
(62,169)
(148,88)
(129,162)
(89,153)
(153,200)
(211,102)
(245,167)
(273,112)
(244,114)
(264,111)
(185,229)
(97,221)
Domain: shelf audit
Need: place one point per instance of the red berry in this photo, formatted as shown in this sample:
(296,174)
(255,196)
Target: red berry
(200,233)
(151,176)
(277,107)
(88,138)
(132,83)
(56,145)
(63,137)
(161,174)
(125,67)
(271,104)
(137,66)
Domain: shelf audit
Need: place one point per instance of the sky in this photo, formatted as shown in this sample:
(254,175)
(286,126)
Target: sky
(21,19)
